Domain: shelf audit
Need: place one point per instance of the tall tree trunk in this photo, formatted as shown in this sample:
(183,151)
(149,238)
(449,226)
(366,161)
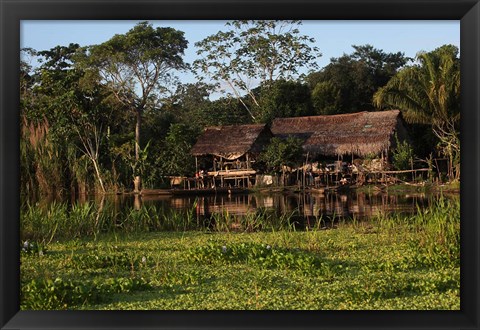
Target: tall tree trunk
(99,176)
(91,149)
(137,179)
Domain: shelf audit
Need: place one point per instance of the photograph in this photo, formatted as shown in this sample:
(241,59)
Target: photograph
(237,164)
(261,164)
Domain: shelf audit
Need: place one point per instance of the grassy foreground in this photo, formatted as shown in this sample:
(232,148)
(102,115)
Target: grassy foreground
(386,263)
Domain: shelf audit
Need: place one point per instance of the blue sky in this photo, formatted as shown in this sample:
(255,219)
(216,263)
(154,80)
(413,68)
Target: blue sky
(333,38)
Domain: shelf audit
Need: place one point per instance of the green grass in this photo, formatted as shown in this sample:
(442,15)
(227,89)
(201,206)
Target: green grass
(384,263)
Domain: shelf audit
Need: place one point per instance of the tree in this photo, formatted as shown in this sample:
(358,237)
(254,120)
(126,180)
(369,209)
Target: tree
(428,92)
(283,98)
(253,53)
(176,158)
(27,171)
(402,155)
(90,137)
(348,83)
(326,98)
(52,97)
(138,68)
(280,152)
(26,77)
(188,103)
(73,107)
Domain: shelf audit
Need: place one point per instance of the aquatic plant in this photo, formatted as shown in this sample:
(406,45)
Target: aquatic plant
(64,294)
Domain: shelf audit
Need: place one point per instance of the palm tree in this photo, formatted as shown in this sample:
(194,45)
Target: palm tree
(428,92)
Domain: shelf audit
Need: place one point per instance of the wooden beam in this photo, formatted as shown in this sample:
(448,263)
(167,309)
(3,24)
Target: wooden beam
(403,171)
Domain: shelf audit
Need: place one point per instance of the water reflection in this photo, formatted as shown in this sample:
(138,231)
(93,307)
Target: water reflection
(300,210)
(359,205)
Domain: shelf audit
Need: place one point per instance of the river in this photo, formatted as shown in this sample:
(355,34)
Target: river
(359,205)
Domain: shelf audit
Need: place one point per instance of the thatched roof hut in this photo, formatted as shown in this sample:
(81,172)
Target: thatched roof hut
(232,142)
(361,133)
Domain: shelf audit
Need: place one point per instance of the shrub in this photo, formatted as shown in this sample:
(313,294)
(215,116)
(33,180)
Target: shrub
(402,156)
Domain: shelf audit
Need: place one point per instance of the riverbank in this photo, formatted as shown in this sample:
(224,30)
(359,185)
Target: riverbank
(385,263)
(447,188)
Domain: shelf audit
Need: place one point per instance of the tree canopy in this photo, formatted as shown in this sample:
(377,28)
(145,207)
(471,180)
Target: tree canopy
(348,83)
(254,53)
(83,108)
(283,98)
(138,67)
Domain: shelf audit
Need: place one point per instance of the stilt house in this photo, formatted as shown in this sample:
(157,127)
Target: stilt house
(232,148)
(358,134)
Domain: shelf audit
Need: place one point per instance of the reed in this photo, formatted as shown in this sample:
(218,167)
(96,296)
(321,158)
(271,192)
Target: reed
(436,229)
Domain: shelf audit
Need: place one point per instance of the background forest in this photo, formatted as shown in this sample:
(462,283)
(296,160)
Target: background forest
(115,116)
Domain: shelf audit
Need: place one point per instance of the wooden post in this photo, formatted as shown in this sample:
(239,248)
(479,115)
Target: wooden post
(304,174)
(413,174)
(137,204)
(196,164)
(248,161)
(438,170)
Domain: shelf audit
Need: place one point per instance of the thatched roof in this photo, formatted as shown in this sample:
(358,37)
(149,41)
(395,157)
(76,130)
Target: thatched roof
(232,142)
(360,133)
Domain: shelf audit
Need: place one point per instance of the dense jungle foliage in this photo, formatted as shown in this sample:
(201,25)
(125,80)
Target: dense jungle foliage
(97,118)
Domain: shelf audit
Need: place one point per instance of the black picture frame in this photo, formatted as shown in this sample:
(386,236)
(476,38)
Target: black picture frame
(13,11)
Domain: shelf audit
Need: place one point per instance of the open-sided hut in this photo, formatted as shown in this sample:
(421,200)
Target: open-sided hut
(356,134)
(235,146)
